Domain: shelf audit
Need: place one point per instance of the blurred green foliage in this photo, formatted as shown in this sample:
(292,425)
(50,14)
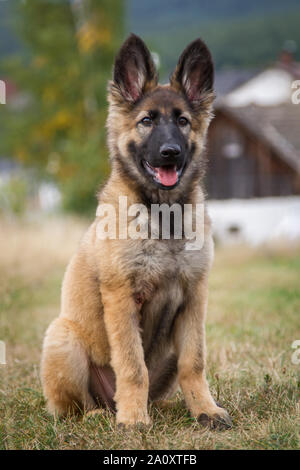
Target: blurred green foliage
(58,124)
(13,196)
(64,60)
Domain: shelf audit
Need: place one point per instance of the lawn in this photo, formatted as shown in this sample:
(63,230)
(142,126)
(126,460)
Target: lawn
(253,319)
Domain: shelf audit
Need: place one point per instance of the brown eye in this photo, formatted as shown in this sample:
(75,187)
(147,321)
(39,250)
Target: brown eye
(182,121)
(146,121)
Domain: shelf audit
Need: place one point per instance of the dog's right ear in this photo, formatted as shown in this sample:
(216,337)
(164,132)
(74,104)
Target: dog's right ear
(134,71)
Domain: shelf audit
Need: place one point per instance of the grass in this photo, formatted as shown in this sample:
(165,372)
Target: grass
(253,318)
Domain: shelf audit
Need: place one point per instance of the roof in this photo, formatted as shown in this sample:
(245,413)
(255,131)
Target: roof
(271,87)
(278,126)
(227,80)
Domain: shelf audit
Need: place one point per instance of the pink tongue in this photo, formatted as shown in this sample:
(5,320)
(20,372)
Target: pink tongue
(167,175)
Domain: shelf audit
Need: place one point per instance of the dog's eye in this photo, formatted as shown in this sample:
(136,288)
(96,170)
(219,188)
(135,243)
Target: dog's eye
(146,121)
(182,121)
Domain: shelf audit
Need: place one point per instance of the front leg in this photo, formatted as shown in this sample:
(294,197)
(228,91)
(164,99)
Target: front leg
(127,355)
(191,352)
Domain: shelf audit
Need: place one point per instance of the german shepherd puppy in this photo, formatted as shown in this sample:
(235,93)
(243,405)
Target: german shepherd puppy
(131,327)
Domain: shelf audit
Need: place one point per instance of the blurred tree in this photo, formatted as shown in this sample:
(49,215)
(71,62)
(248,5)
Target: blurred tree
(60,128)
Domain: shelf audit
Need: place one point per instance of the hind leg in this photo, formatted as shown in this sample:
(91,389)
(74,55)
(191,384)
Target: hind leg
(65,370)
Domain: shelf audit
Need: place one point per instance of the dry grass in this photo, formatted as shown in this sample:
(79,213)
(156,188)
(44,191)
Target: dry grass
(252,321)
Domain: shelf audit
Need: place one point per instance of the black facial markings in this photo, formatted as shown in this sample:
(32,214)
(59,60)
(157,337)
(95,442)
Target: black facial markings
(162,131)
(176,113)
(132,147)
(193,148)
(190,154)
(130,176)
(154,114)
(127,172)
(136,154)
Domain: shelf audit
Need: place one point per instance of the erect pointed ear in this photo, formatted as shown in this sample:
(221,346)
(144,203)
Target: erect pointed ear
(134,71)
(194,74)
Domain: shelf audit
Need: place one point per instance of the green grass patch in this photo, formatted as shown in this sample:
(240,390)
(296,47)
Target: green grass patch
(253,318)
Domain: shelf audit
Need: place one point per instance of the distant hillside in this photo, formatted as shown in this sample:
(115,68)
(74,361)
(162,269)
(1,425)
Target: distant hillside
(241,34)
(152,16)
(8,40)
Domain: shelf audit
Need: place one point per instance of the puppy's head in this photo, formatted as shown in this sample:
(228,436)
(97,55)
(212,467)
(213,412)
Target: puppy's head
(156,132)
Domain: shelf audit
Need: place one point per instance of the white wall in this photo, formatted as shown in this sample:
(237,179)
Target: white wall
(256,221)
(270,88)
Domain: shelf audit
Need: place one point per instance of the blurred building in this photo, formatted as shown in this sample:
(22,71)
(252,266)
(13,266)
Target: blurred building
(254,139)
(254,155)
(22,191)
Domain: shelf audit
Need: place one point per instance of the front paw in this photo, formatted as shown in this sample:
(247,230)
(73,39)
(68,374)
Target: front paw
(215,419)
(134,418)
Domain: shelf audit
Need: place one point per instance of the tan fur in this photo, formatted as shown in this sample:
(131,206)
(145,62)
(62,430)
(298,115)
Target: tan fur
(101,320)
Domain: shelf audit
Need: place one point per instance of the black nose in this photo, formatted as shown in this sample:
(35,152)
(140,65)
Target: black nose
(170,150)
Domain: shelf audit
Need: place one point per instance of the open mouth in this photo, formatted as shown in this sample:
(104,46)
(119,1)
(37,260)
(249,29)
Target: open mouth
(167,176)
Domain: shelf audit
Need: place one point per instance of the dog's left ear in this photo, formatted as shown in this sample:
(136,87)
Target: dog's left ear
(194,74)
(134,70)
